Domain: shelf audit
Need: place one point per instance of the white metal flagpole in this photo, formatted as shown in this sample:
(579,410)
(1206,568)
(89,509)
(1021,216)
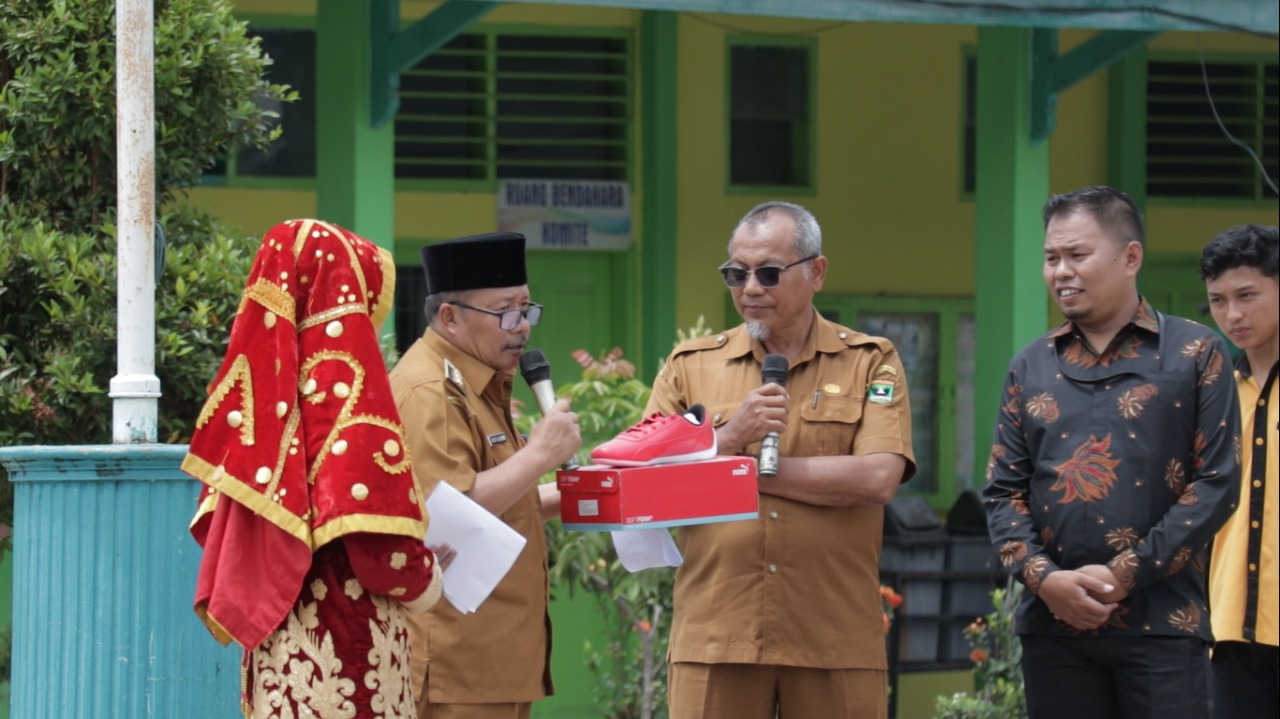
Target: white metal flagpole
(135,389)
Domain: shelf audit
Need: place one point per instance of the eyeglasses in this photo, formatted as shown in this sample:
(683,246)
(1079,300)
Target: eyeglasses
(767,276)
(510,319)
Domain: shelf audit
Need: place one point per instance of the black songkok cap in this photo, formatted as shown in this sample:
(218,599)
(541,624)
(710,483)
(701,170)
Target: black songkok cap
(475,262)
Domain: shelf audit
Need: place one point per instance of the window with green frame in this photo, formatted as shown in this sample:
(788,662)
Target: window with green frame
(493,104)
(490,104)
(934,338)
(770,113)
(1188,154)
(292,156)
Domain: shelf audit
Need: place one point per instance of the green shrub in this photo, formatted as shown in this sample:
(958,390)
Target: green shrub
(997,665)
(58,103)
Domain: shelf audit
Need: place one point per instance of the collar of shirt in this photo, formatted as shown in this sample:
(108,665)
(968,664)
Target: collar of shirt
(823,337)
(476,375)
(1145,318)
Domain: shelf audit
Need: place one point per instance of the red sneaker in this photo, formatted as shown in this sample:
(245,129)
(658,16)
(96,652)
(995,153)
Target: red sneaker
(686,437)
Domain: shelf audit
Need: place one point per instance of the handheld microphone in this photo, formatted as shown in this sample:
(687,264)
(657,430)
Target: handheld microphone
(537,372)
(774,369)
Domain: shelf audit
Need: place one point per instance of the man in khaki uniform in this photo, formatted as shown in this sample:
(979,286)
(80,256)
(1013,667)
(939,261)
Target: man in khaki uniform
(781,616)
(453,390)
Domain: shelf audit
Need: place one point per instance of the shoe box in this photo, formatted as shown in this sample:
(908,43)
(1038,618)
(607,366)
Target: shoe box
(603,498)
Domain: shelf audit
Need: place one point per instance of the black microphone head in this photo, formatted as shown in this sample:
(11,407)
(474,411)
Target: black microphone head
(774,369)
(534,367)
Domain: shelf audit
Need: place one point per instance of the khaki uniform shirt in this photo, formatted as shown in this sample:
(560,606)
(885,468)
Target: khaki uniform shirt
(456,413)
(799,586)
(1243,585)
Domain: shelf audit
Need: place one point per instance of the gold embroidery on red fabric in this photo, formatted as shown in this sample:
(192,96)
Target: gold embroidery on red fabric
(402,446)
(343,419)
(271,296)
(286,441)
(389,675)
(241,374)
(332,313)
(295,666)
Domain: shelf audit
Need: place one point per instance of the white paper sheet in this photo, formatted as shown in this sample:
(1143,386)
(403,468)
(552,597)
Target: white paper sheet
(646,549)
(486,547)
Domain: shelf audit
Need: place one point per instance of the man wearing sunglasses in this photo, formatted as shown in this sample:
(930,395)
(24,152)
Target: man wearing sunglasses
(453,390)
(781,616)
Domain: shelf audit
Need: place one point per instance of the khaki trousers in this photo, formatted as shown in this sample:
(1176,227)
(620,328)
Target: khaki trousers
(762,691)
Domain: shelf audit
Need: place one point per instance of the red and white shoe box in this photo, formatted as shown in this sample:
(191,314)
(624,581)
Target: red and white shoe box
(603,498)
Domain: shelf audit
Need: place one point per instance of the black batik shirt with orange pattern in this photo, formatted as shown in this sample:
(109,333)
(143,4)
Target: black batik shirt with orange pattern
(1128,459)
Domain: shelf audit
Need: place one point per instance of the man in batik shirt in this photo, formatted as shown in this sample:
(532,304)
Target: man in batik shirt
(1114,462)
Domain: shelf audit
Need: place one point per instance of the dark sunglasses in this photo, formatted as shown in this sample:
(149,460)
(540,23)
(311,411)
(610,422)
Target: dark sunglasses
(509,319)
(767,276)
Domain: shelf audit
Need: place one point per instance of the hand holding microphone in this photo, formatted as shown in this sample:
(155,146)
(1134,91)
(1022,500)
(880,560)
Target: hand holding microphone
(772,371)
(537,372)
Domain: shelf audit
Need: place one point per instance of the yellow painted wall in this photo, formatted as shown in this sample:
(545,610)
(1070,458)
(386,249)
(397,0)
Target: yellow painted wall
(887,164)
(888,145)
(889,157)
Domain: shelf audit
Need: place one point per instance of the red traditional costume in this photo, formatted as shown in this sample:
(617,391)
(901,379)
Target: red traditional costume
(310,518)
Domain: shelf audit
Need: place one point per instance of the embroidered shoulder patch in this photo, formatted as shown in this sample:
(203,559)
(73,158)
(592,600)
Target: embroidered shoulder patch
(880,393)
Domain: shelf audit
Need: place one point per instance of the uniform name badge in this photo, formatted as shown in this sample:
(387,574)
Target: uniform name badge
(495,439)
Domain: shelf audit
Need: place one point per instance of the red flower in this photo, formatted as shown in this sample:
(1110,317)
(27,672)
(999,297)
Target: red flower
(978,656)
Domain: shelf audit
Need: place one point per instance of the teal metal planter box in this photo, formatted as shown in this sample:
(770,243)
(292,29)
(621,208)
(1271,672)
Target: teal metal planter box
(104,571)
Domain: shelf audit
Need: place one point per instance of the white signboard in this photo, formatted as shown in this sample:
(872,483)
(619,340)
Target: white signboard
(567,214)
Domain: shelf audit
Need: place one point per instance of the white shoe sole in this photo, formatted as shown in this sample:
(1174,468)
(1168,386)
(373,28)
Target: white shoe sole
(671,459)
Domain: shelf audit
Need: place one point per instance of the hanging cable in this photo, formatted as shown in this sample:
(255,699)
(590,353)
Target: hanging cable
(1204,73)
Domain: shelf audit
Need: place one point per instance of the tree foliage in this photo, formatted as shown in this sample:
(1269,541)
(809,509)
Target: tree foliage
(58,102)
(57,210)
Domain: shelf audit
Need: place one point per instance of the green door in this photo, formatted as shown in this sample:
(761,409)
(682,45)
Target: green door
(582,301)
(1172,284)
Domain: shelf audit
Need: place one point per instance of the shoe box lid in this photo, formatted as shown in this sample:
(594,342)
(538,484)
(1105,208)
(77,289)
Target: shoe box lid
(603,498)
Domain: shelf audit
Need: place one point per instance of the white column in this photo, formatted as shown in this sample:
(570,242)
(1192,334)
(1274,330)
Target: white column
(135,388)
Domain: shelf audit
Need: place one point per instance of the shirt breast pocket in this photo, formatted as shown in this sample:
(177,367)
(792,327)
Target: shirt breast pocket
(829,425)
(718,414)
